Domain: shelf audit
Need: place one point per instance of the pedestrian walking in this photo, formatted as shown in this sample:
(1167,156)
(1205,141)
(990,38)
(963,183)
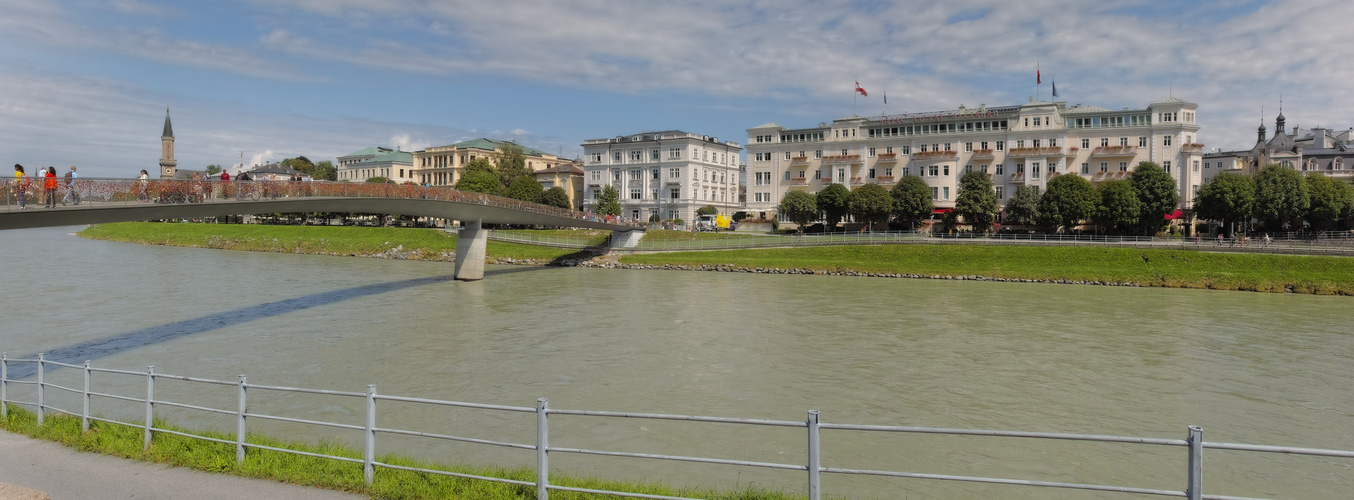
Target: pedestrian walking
(142,181)
(20,186)
(49,185)
(72,194)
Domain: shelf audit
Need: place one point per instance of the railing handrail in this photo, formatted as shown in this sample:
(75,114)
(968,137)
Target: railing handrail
(813,466)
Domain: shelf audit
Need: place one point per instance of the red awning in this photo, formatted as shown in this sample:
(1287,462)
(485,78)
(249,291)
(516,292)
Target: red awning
(942,210)
(1174,215)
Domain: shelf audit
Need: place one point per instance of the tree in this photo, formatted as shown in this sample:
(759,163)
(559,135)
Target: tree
(977,200)
(1227,197)
(213,169)
(524,188)
(300,164)
(1023,208)
(377,180)
(555,197)
(707,210)
(324,171)
(1118,208)
(610,201)
(1280,196)
(871,203)
(911,200)
(1068,200)
(835,202)
(480,165)
(1330,200)
(510,164)
(1158,196)
(798,207)
(479,181)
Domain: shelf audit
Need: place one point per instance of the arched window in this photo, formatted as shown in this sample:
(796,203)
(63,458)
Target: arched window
(1337,164)
(1311,164)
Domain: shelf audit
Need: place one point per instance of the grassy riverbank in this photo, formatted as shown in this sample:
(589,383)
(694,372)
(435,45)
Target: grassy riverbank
(1144,267)
(407,243)
(124,441)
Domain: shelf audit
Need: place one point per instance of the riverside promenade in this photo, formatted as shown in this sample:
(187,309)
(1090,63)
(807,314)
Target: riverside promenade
(37,470)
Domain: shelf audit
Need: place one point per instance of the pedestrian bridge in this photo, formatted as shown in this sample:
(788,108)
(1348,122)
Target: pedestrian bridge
(119,200)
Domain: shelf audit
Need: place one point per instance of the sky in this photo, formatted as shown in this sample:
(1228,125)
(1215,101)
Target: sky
(87,82)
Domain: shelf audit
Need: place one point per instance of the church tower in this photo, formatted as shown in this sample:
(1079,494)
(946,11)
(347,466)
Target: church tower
(168,165)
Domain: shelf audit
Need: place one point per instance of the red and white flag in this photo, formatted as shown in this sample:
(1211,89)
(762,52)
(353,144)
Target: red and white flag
(1038,78)
(861,90)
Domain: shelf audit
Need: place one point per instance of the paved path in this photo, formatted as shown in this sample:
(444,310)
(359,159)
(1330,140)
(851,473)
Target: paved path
(66,474)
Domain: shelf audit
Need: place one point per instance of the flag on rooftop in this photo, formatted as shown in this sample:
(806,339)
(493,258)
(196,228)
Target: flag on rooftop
(1055,87)
(861,90)
(886,97)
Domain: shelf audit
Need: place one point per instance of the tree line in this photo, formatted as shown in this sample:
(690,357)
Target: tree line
(509,176)
(1276,199)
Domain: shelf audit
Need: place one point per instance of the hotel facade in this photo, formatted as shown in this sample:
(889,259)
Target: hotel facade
(670,174)
(1022,145)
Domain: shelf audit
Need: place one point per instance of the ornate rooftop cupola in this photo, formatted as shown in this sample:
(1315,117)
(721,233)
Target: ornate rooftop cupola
(168,165)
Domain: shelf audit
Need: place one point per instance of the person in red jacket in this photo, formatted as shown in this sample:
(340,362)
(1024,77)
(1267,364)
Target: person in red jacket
(50,187)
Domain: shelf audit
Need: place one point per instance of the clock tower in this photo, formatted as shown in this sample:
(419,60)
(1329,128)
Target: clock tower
(168,165)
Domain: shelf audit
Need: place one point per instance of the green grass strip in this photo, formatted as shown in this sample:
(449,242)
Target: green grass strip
(124,441)
(410,243)
(1147,267)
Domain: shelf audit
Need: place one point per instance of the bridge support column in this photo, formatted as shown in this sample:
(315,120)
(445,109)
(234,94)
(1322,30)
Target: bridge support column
(626,239)
(470,244)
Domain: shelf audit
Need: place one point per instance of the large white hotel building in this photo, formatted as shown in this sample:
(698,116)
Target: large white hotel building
(1018,145)
(671,174)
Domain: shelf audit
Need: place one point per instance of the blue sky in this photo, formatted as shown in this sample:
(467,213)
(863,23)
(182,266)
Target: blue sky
(86,82)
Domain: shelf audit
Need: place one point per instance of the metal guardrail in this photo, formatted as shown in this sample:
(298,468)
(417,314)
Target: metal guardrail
(114,192)
(812,465)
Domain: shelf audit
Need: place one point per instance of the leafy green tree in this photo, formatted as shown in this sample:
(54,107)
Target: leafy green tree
(1023,207)
(324,171)
(835,202)
(1158,196)
(1330,200)
(707,210)
(510,164)
(213,169)
(911,200)
(479,181)
(377,180)
(1118,208)
(798,207)
(1068,200)
(1228,197)
(555,197)
(480,165)
(524,188)
(977,200)
(1280,196)
(871,203)
(610,201)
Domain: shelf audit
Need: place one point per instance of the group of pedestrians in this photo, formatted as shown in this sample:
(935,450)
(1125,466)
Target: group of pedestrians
(49,185)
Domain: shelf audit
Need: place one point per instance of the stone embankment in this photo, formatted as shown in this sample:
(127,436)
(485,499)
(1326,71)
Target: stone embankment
(839,272)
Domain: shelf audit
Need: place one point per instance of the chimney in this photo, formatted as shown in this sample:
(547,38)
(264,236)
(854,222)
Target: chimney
(1319,138)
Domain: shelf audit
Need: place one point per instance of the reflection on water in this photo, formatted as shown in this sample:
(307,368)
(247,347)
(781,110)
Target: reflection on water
(1248,367)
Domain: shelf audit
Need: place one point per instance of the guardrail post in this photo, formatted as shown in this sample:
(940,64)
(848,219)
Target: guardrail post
(4,385)
(542,447)
(150,407)
(241,407)
(815,486)
(1196,463)
(84,412)
(369,453)
(42,363)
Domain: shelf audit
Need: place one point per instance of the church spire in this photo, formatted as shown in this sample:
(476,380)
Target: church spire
(169,131)
(168,165)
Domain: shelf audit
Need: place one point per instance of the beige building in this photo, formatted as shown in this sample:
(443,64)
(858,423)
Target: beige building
(566,176)
(444,165)
(1017,145)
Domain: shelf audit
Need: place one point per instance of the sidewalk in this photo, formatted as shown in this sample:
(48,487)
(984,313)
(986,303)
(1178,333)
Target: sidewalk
(65,474)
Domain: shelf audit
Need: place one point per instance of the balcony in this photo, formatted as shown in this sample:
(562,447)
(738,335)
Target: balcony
(857,181)
(799,160)
(887,158)
(984,154)
(826,180)
(1191,148)
(935,155)
(841,159)
(1111,176)
(888,180)
(799,181)
(1040,152)
(1115,151)
(1018,178)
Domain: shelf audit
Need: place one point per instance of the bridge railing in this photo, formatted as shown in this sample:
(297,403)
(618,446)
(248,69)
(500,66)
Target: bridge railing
(44,395)
(85,192)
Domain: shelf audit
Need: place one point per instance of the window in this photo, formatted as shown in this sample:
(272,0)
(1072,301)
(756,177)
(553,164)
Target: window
(947,192)
(1166,165)
(1000,168)
(1104,166)
(616,175)
(1166,141)
(634,193)
(1085,144)
(1034,170)
(653,155)
(1123,166)
(1123,141)
(1020,143)
(888,171)
(872,173)
(907,150)
(674,193)
(1000,195)
(596,158)
(787,155)
(818,154)
(636,156)
(968,168)
(1104,141)
(655,174)
(935,171)
(1142,142)
(1036,143)
(1001,145)
(947,146)
(968,147)
(924,147)
(616,156)
(1196,166)
(984,145)
(1085,168)
(935,193)
(947,170)
(636,175)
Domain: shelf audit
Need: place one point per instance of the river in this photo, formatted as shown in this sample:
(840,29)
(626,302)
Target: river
(1248,367)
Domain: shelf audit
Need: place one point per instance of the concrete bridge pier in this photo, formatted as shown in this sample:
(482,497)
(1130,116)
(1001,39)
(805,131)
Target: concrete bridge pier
(626,239)
(470,249)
